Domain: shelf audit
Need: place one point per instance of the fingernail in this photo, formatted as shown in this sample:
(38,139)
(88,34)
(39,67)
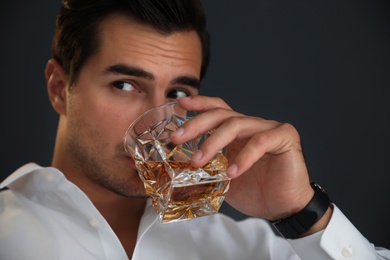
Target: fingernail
(179,132)
(232,170)
(197,155)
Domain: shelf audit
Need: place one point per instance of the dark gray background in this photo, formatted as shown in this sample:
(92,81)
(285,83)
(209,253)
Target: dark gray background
(323,66)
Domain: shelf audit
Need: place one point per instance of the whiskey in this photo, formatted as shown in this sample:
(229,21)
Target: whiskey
(179,191)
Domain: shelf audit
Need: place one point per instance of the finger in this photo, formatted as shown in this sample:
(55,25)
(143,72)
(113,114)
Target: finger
(234,128)
(237,127)
(201,123)
(276,141)
(215,142)
(202,103)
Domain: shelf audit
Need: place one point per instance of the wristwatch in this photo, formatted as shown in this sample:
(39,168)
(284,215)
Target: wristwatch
(297,224)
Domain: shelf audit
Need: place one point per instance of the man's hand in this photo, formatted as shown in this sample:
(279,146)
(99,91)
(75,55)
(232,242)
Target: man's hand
(270,178)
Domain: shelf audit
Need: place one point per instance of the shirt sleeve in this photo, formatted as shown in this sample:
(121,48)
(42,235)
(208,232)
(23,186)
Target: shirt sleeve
(340,240)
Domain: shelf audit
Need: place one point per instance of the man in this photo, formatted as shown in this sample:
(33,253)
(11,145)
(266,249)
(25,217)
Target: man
(113,60)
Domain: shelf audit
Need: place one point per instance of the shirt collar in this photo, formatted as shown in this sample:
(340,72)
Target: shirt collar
(18,174)
(22,175)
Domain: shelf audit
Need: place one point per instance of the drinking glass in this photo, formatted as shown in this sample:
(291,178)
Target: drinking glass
(178,190)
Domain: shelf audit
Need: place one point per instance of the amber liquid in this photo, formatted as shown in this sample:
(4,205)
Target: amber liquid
(180,191)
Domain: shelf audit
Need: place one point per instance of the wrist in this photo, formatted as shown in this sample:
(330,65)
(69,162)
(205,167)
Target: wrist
(312,218)
(321,224)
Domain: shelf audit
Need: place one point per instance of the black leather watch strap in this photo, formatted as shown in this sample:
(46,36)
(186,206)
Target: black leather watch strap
(297,224)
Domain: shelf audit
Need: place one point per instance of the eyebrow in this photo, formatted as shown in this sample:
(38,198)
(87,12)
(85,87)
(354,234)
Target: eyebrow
(188,81)
(129,70)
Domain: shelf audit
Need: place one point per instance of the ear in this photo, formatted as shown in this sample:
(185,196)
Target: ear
(57,82)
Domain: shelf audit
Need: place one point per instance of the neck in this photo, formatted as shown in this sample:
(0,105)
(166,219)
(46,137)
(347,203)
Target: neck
(122,214)
(119,211)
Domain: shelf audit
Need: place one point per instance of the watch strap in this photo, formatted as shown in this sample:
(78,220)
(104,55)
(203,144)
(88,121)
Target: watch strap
(297,224)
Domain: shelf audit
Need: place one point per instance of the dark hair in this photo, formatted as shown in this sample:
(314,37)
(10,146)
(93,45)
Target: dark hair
(75,38)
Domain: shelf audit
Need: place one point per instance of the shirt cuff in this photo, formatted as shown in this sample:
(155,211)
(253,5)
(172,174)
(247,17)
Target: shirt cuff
(340,240)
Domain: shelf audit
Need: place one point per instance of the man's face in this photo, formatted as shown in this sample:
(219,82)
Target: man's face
(134,69)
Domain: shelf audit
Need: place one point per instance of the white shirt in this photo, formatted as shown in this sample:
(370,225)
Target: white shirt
(44,216)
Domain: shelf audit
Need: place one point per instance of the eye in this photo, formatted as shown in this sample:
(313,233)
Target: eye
(123,85)
(177,93)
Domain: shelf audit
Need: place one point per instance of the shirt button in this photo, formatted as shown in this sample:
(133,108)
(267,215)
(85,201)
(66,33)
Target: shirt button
(94,222)
(49,176)
(347,252)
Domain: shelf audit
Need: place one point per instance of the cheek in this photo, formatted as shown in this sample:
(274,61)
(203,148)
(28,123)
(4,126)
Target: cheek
(92,120)
(102,118)
(110,119)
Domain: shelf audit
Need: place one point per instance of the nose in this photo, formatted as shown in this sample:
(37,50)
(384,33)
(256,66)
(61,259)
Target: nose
(154,102)
(158,101)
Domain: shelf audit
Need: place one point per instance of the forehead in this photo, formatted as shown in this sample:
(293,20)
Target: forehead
(121,37)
